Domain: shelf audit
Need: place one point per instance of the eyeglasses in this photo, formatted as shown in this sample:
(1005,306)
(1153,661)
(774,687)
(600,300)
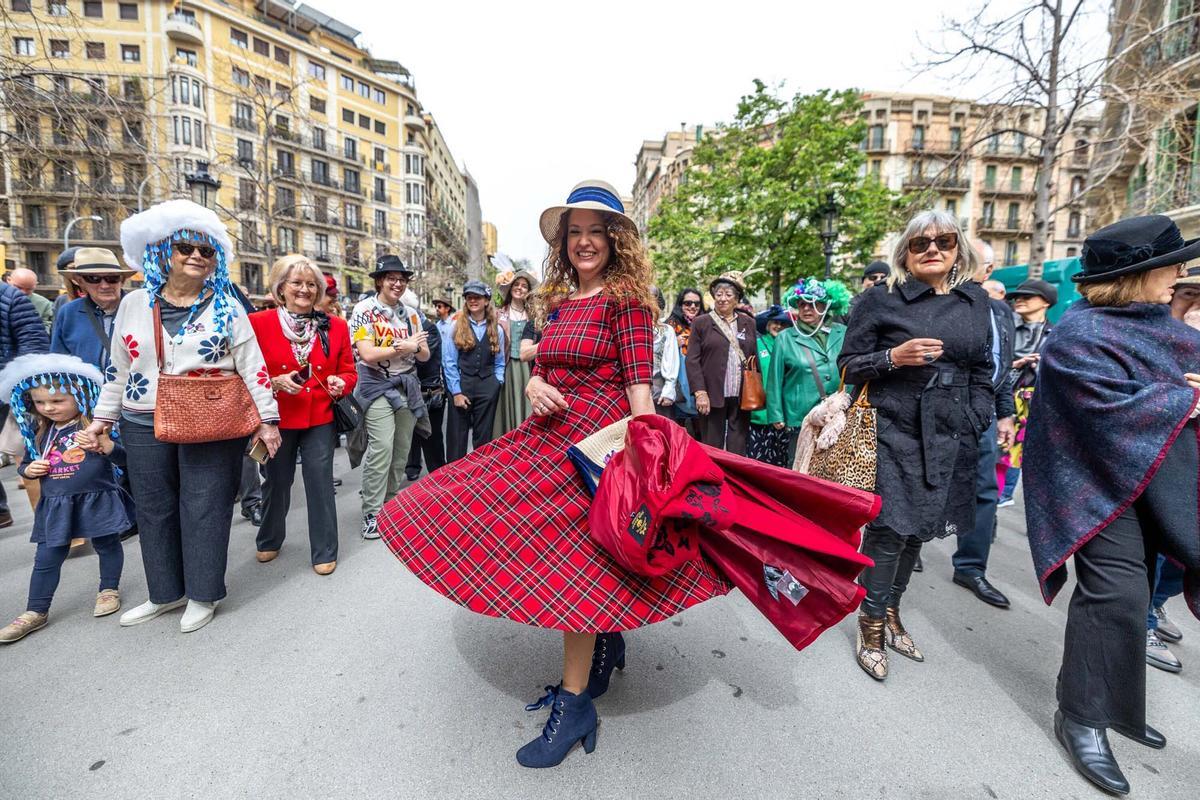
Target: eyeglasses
(395,279)
(298,285)
(185,249)
(690,304)
(95,279)
(945,243)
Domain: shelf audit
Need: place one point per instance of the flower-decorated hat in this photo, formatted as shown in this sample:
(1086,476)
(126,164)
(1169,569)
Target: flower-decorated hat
(810,290)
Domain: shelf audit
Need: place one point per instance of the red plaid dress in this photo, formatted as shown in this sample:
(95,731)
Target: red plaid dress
(504,531)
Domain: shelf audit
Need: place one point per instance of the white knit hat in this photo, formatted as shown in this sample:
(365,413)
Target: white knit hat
(160,221)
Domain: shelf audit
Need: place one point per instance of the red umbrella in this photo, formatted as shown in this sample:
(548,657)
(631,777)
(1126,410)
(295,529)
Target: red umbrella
(788,541)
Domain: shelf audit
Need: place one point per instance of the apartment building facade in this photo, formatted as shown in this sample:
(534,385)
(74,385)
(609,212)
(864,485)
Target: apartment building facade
(268,112)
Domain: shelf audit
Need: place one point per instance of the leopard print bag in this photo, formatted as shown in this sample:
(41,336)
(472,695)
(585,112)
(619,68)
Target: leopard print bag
(850,460)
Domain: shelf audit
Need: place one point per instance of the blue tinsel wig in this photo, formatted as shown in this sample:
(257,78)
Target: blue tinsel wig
(52,371)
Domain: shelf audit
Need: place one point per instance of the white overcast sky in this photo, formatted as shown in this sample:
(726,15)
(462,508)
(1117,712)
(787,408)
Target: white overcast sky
(536,96)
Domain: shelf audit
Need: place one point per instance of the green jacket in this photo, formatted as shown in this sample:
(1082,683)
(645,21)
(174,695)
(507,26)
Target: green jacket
(790,385)
(766,343)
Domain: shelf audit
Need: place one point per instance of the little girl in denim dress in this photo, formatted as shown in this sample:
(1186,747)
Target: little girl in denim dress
(52,398)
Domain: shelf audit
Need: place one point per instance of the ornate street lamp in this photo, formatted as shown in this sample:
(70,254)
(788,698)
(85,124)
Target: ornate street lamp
(829,222)
(202,185)
(71,224)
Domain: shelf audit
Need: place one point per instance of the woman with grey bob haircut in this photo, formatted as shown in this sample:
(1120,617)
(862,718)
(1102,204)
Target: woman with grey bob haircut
(966,264)
(922,340)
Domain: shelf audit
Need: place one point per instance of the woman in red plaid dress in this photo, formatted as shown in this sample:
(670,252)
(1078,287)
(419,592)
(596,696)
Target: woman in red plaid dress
(504,530)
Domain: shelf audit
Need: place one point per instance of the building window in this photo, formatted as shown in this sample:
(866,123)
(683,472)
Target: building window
(350,147)
(380,190)
(876,168)
(380,222)
(353,216)
(379,97)
(316,104)
(93,8)
(252,276)
(1010,253)
(131,53)
(240,77)
(1017,175)
(414,164)
(876,141)
(287,240)
(1074,224)
(956,139)
(318,138)
(380,128)
(262,47)
(1014,215)
(245,152)
(316,70)
(283,56)
(238,38)
(989,214)
(380,156)
(188,56)
(414,224)
(1076,186)
(363,89)
(246,196)
(1071,252)
(414,194)
(918,140)
(57,9)
(347,116)
(94,50)
(128,10)
(989,176)
(348,83)
(952,207)
(60,48)
(197,97)
(364,122)
(322,245)
(350,178)
(23,46)
(320,172)
(21,5)
(285,161)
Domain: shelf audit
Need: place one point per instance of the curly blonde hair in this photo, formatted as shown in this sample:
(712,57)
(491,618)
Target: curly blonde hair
(627,276)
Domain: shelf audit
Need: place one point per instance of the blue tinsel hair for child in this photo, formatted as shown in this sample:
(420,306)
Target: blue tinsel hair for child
(147,239)
(54,372)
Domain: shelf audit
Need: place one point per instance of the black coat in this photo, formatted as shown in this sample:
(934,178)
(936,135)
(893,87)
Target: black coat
(929,417)
(1006,326)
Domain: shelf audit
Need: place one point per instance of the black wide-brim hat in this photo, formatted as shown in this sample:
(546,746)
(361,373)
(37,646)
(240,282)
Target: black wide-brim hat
(390,263)
(1133,245)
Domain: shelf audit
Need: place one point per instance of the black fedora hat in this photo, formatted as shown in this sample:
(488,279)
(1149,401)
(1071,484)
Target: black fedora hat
(1134,245)
(390,263)
(1036,288)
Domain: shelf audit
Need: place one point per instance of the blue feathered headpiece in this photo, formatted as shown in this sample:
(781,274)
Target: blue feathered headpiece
(54,372)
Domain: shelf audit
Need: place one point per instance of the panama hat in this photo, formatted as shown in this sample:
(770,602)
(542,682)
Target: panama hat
(95,261)
(591,194)
(1133,245)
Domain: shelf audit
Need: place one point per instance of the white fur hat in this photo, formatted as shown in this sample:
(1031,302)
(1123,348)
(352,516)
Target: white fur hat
(23,367)
(160,221)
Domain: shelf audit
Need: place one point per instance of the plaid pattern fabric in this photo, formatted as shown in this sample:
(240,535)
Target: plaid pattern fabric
(504,531)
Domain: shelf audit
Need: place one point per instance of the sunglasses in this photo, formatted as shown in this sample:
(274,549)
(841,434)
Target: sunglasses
(95,279)
(185,249)
(876,277)
(945,243)
(691,303)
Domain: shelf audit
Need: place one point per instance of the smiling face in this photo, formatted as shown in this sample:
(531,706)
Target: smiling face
(390,285)
(58,407)
(300,290)
(691,305)
(774,327)
(931,264)
(476,305)
(197,264)
(519,290)
(588,249)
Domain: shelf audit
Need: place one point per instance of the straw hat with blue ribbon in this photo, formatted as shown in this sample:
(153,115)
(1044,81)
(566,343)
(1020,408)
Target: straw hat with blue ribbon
(592,195)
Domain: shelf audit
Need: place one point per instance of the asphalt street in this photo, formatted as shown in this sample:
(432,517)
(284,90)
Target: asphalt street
(367,684)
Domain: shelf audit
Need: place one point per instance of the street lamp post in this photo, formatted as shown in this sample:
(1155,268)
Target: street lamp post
(141,188)
(202,185)
(71,224)
(829,220)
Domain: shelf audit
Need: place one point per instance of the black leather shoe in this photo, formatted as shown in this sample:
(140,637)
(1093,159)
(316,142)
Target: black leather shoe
(1090,754)
(982,589)
(256,516)
(918,565)
(1150,737)
(337,481)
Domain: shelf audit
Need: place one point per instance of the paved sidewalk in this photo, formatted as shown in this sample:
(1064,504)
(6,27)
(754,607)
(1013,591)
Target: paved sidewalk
(366,684)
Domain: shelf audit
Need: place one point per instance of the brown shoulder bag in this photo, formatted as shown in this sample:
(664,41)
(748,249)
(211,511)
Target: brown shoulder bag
(754,396)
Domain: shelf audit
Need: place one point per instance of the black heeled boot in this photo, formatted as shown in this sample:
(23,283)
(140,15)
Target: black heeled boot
(608,653)
(572,719)
(1090,753)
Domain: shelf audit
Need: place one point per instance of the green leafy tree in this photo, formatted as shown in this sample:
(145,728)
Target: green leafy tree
(753,195)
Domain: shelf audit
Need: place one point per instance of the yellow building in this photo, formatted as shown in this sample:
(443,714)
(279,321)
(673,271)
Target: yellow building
(302,140)
(491,241)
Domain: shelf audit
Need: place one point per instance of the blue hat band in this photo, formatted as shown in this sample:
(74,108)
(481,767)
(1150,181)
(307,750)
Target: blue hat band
(598,195)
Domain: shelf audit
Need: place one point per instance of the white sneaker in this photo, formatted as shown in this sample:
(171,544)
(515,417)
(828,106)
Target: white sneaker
(148,611)
(370,527)
(197,615)
(1006,503)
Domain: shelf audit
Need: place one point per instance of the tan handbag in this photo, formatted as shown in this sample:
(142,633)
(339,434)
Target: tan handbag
(851,459)
(193,409)
(753,395)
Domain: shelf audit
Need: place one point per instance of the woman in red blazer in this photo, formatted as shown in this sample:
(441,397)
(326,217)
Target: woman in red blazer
(310,363)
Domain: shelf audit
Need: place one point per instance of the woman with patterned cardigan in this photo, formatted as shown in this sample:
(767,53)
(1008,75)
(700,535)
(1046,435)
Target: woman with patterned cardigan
(183,492)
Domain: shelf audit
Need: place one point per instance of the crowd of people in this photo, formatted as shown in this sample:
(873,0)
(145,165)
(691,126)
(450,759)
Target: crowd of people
(973,391)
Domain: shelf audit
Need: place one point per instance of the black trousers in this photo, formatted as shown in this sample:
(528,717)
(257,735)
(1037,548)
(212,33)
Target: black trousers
(894,557)
(315,446)
(727,427)
(474,421)
(1102,682)
(432,447)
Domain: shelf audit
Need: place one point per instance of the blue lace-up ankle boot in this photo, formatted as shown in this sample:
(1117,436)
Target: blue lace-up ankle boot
(608,653)
(572,719)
